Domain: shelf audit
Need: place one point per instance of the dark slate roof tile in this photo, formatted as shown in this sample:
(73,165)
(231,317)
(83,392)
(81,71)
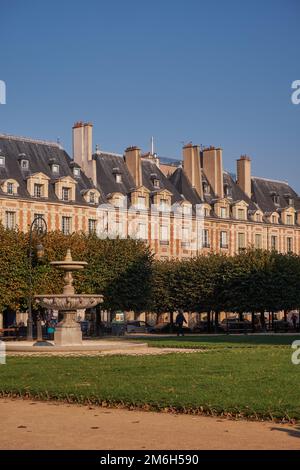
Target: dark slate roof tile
(40,155)
(262,190)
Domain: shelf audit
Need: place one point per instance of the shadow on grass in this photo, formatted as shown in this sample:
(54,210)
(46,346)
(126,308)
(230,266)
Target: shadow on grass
(226,340)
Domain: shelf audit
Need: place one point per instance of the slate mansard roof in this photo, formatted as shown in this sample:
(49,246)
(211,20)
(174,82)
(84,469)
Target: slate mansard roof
(40,155)
(108,164)
(264,189)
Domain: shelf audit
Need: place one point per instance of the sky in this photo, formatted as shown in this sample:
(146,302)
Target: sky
(212,72)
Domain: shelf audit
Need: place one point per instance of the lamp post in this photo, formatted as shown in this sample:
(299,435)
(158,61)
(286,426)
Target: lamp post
(39,226)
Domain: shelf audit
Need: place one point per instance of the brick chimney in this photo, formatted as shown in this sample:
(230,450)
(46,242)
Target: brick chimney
(134,164)
(213,169)
(83,148)
(244,174)
(192,167)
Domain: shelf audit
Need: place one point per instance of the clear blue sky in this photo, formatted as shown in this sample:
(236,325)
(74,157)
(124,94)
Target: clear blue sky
(213,72)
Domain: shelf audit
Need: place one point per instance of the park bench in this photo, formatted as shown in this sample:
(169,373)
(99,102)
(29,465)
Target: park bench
(9,333)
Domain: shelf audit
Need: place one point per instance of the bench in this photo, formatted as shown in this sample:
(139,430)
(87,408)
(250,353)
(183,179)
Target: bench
(13,333)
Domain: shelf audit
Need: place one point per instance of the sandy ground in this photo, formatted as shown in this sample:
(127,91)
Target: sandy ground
(28,424)
(129,352)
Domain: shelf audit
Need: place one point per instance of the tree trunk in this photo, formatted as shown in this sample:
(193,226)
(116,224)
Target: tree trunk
(172,322)
(253,322)
(208,321)
(217,315)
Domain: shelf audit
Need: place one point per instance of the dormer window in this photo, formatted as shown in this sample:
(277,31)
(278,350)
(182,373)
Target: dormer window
(118,175)
(290,200)
(24,164)
(76,171)
(92,198)
(155,181)
(223,212)
(38,190)
(227,190)
(65,194)
(2,161)
(10,188)
(206,188)
(275,198)
(55,168)
(163,205)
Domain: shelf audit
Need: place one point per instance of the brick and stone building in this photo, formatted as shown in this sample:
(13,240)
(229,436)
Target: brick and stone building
(179,208)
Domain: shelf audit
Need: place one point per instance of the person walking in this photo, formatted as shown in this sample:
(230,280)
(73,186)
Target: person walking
(180,320)
(294,320)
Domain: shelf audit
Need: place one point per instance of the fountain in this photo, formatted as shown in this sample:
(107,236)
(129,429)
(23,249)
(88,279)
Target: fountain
(68,336)
(68,331)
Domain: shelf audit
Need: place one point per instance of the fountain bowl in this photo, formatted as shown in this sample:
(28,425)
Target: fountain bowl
(68,302)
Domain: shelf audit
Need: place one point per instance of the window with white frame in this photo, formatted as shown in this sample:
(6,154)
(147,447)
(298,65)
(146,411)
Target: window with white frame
(92,225)
(76,171)
(2,160)
(10,219)
(38,223)
(66,225)
(205,238)
(92,197)
(241,214)
(289,219)
(24,164)
(156,183)
(141,202)
(241,241)
(163,205)
(223,212)
(10,188)
(38,190)
(55,169)
(273,242)
(142,231)
(119,228)
(118,178)
(65,193)
(185,236)
(164,234)
(258,241)
(223,239)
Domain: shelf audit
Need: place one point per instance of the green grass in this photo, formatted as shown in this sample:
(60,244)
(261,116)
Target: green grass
(256,382)
(219,341)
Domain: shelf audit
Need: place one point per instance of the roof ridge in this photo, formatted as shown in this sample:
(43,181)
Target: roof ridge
(270,179)
(29,140)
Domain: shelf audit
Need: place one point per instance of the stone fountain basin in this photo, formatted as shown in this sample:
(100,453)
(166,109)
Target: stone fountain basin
(68,302)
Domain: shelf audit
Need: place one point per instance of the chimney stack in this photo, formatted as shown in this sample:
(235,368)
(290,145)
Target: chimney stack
(134,164)
(192,167)
(244,174)
(83,148)
(213,169)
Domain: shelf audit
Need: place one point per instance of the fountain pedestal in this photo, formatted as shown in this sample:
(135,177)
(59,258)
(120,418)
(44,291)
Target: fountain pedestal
(68,331)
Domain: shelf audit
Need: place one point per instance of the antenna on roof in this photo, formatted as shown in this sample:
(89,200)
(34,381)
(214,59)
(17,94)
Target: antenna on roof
(152,145)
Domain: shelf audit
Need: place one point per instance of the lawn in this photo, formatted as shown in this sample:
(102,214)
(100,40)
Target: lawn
(252,382)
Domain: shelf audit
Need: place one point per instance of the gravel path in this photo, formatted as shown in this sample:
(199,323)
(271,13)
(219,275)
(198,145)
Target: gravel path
(27,424)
